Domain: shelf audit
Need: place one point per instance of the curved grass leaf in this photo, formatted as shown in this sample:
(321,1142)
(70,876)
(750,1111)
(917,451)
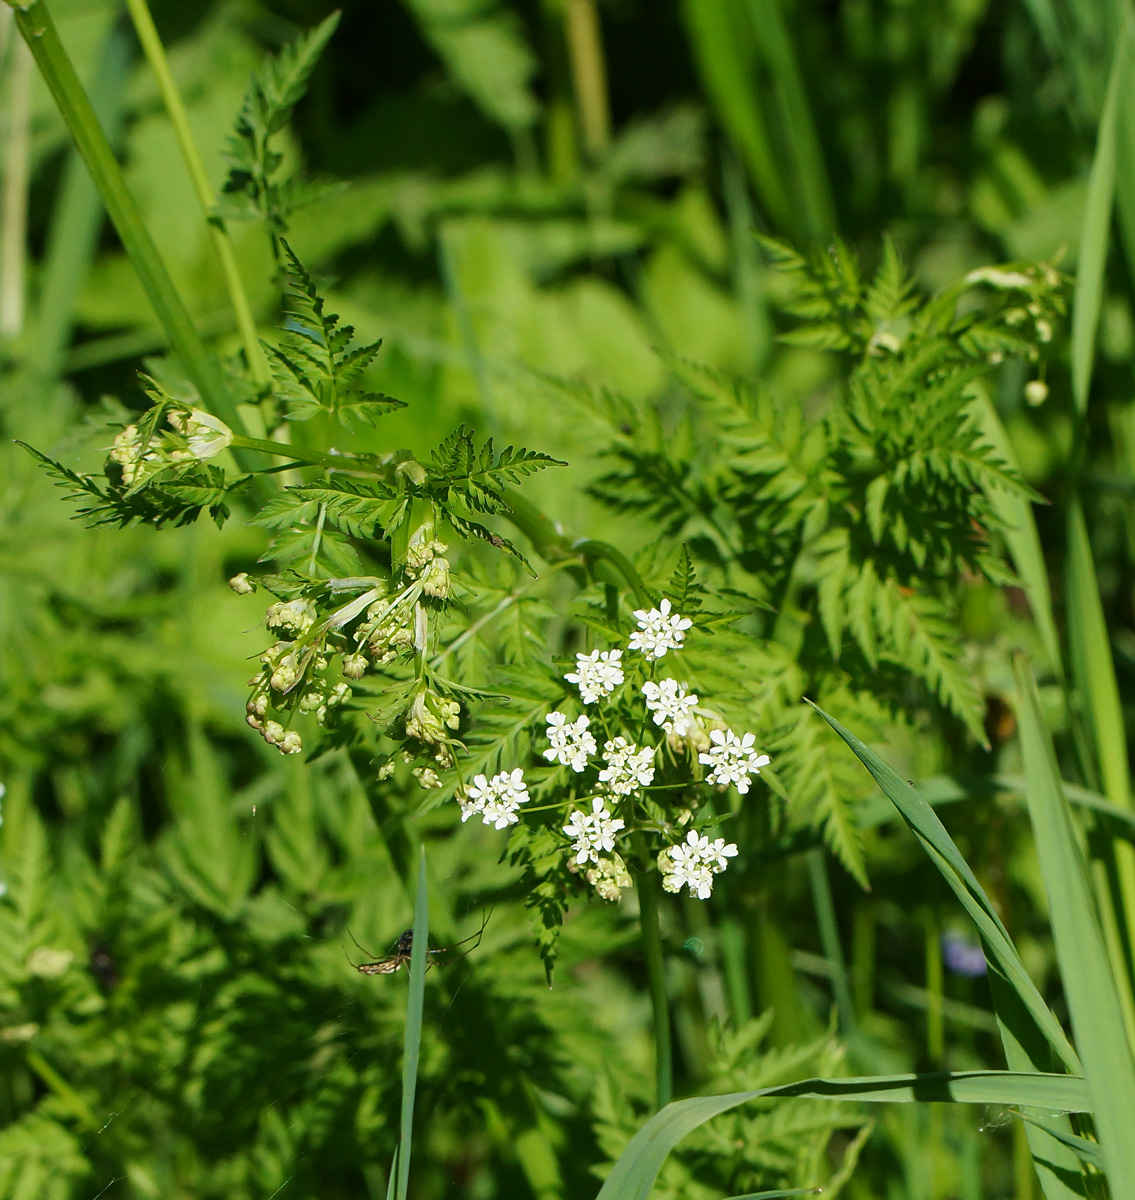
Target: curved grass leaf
(633,1176)
(1094,1004)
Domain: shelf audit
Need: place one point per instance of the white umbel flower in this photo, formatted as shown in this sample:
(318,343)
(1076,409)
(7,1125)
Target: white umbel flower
(592,833)
(496,800)
(732,759)
(659,630)
(597,674)
(628,768)
(671,704)
(571,744)
(693,864)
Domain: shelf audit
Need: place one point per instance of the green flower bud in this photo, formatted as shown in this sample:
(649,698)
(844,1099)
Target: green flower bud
(1036,392)
(285,674)
(429,717)
(435,578)
(292,618)
(48,963)
(241,584)
(355,666)
(609,877)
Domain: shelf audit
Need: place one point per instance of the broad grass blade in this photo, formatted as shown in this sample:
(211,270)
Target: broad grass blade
(1095,230)
(633,1176)
(930,831)
(413,1038)
(1093,1001)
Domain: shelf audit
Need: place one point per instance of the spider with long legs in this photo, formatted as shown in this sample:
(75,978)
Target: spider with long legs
(399,955)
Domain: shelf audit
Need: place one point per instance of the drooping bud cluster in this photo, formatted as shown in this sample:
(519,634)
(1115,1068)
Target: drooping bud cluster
(386,619)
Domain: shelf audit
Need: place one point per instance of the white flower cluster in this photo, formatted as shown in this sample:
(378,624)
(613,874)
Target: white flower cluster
(628,768)
(597,674)
(496,800)
(671,705)
(732,759)
(571,744)
(693,864)
(658,630)
(593,832)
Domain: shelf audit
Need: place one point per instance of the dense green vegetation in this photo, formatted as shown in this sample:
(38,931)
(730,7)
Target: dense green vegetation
(778,352)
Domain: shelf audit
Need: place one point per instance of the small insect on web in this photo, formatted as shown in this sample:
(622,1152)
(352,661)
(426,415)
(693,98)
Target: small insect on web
(403,948)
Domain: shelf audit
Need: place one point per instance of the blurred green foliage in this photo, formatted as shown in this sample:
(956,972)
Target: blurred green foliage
(512,194)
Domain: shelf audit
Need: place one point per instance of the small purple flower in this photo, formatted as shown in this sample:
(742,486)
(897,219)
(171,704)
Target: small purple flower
(963,956)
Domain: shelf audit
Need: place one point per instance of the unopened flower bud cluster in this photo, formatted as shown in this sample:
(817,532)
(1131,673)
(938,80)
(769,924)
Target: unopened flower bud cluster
(386,621)
(625,771)
(197,436)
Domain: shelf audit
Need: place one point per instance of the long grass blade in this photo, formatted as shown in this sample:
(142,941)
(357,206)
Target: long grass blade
(930,831)
(77,216)
(38,31)
(777,1195)
(156,56)
(1093,669)
(633,1176)
(1095,231)
(1030,1034)
(723,51)
(413,1038)
(1093,1001)
(1021,537)
(771,34)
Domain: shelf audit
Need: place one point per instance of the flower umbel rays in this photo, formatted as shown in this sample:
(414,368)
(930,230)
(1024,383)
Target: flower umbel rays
(496,800)
(628,768)
(593,832)
(597,674)
(670,703)
(693,864)
(732,759)
(659,630)
(571,744)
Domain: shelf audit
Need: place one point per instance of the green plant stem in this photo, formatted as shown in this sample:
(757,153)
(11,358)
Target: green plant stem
(315,458)
(14,210)
(589,74)
(551,543)
(829,938)
(935,1027)
(646,884)
(413,1038)
(38,31)
(222,243)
